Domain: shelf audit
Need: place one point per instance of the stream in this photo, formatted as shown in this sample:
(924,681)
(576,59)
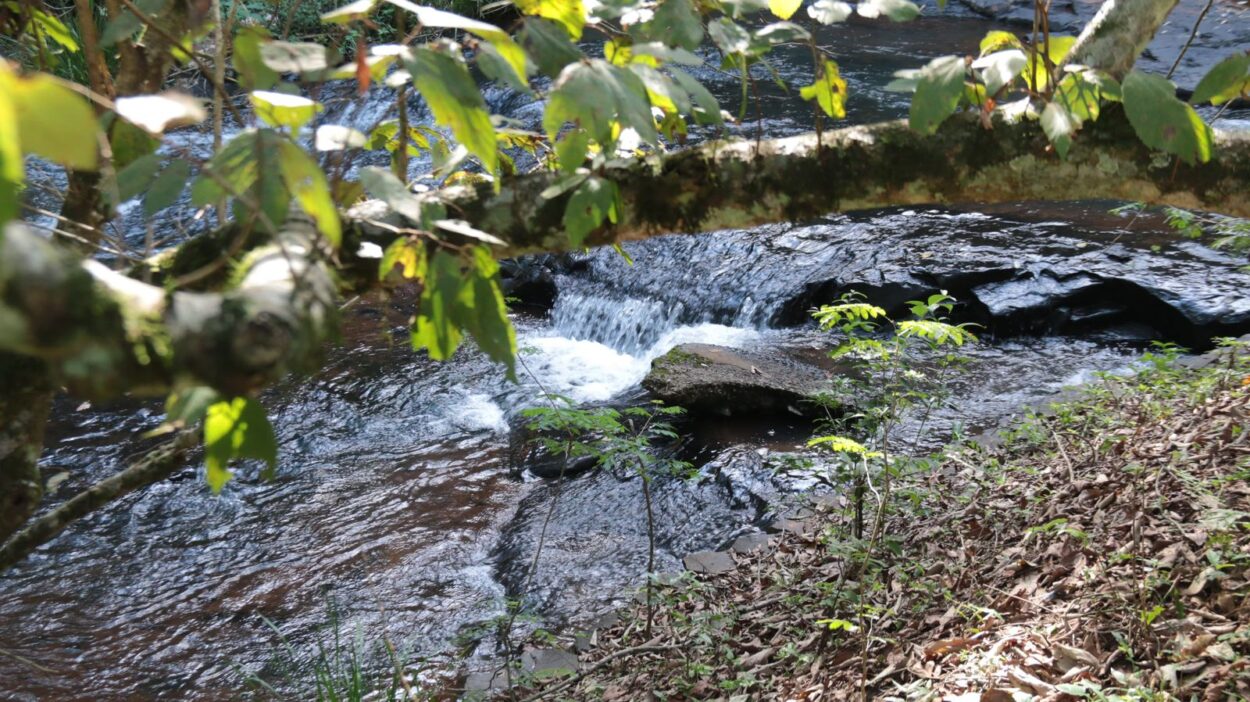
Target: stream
(397,502)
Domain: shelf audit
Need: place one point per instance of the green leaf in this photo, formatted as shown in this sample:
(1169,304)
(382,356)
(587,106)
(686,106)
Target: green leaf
(186,407)
(599,97)
(595,200)
(677,24)
(167,187)
(1226,80)
(707,110)
(938,89)
(549,46)
(784,9)
(12,165)
(1000,68)
(235,165)
(236,429)
(49,25)
(998,40)
(129,142)
(1162,121)
(1035,73)
(498,68)
(307,184)
(829,11)
(829,90)
(436,329)
(334,137)
(464,229)
(407,253)
(454,99)
(896,10)
(136,177)
(729,36)
(570,14)
(252,72)
(1059,125)
(489,323)
(351,12)
(283,110)
(501,44)
(54,122)
(382,184)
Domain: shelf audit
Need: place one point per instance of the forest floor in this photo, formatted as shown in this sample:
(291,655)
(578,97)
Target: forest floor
(1100,551)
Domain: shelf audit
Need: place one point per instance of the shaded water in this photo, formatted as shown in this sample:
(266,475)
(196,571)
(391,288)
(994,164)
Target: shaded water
(394,495)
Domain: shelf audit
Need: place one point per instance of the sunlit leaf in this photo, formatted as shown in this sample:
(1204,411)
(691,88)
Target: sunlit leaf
(1000,68)
(549,45)
(570,14)
(407,253)
(1059,125)
(54,122)
(283,110)
(500,42)
(829,90)
(603,99)
(251,69)
(383,185)
(436,329)
(677,24)
(1226,80)
(706,109)
(998,40)
(294,57)
(307,184)
(939,87)
(784,9)
(12,166)
(351,12)
(167,187)
(1056,50)
(453,97)
(463,228)
(729,36)
(595,200)
(236,429)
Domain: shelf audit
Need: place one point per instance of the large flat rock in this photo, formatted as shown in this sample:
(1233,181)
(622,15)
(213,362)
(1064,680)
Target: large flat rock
(715,379)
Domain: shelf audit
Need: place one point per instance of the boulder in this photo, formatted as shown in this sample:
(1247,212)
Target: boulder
(709,562)
(715,379)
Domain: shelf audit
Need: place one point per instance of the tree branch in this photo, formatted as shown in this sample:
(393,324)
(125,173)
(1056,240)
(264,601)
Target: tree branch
(157,465)
(1117,35)
(25,399)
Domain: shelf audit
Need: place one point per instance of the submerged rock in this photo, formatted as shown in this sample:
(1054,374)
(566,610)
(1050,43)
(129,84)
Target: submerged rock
(715,379)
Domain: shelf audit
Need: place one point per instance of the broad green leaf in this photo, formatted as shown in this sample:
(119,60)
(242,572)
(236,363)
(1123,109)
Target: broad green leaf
(464,229)
(454,99)
(282,110)
(49,25)
(157,113)
(905,81)
(136,177)
(1225,81)
(235,167)
(781,33)
(1035,72)
(549,46)
(129,142)
(998,40)
(1000,68)
(167,187)
(829,11)
(829,90)
(351,12)
(294,57)
(602,99)
(1059,125)
(1080,97)
(1162,121)
(488,322)
(54,122)
(498,68)
(235,429)
(677,24)
(570,14)
(938,89)
(572,148)
(502,44)
(251,69)
(187,406)
(896,10)
(376,65)
(706,109)
(334,137)
(12,165)
(729,36)
(667,54)
(407,253)
(784,9)
(436,329)
(661,90)
(595,200)
(307,184)
(382,184)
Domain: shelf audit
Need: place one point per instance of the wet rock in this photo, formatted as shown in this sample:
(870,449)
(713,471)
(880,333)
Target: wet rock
(530,281)
(749,543)
(709,562)
(549,662)
(715,379)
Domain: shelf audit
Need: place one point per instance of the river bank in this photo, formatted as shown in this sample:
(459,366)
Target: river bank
(1098,550)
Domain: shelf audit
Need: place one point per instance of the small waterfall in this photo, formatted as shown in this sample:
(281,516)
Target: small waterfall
(623,322)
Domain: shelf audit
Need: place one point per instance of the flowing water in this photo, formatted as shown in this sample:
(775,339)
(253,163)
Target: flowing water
(395,498)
